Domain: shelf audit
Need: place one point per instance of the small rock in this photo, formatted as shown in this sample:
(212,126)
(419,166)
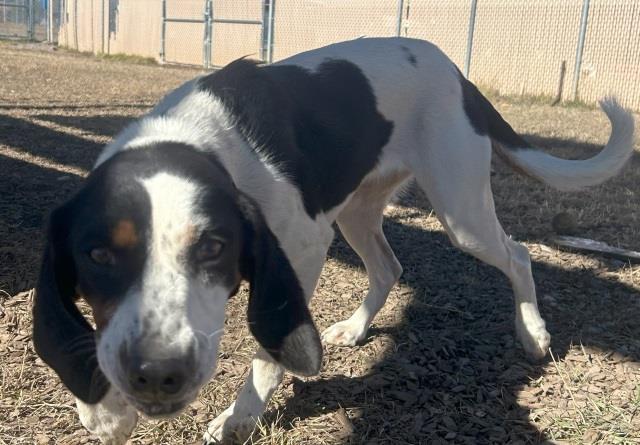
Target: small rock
(590,436)
(564,223)
(593,389)
(346,427)
(42,439)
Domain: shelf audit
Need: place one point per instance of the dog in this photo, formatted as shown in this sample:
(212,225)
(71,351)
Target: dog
(239,175)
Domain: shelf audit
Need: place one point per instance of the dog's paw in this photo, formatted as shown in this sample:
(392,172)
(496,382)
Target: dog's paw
(112,420)
(344,333)
(228,428)
(535,340)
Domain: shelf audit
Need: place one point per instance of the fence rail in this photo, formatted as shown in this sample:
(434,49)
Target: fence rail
(518,47)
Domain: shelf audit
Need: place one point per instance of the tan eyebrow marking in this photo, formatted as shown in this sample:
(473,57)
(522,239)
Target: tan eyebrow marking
(124,234)
(189,236)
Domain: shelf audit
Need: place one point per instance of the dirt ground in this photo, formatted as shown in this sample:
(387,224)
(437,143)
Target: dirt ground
(441,364)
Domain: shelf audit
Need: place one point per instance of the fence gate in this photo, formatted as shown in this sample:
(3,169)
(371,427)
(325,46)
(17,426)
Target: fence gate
(23,19)
(240,28)
(183,32)
(215,32)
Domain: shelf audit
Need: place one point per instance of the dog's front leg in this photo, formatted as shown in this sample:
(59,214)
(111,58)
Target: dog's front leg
(112,419)
(237,421)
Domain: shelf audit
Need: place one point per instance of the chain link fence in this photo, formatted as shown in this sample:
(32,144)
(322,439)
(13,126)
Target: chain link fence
(567,50)
(24,19)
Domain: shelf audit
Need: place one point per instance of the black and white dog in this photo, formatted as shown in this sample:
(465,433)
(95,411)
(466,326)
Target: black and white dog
(239,175)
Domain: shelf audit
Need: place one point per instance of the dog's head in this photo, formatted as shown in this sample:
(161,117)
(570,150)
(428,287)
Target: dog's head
(156,242)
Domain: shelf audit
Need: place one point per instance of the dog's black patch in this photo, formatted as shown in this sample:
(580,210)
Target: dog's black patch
(485,119)
(322,128)
(61,335)
(411,58)
(111,194)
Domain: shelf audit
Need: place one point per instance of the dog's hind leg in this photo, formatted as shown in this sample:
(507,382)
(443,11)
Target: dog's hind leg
(361,225)
(454,170)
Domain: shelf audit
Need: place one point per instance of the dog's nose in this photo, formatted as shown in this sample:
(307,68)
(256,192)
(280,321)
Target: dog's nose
(158,377)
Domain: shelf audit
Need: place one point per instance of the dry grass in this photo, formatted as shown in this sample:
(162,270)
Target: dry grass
(441,364)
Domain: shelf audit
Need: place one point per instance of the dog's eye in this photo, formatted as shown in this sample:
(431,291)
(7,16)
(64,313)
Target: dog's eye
(102,256)
(208,249)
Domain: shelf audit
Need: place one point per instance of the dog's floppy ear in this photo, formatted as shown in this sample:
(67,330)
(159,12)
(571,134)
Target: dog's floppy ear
(278,315)
(61,336)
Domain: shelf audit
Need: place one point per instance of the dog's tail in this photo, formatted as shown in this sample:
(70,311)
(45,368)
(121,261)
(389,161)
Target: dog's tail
(562,174)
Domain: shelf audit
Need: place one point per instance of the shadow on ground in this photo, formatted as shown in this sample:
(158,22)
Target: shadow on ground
(30,190)
(103,125)
(454,369)
(38,140)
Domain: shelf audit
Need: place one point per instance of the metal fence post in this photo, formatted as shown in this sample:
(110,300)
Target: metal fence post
(75,24)
(206,57)
(264,30)
(102,28)
(270,15)
(62,19)
(30,20)
(46,21)
(163,31)
(472,27)
(50,21)
(580,48)
(399,18)
(212,9)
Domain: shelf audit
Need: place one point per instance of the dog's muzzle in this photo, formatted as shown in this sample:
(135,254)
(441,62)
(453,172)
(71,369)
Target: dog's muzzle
(158,386)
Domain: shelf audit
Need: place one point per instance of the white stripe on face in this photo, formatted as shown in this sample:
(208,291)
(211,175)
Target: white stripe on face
(172,312)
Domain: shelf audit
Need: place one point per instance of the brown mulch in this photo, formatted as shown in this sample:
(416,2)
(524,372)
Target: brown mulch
(441,364)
